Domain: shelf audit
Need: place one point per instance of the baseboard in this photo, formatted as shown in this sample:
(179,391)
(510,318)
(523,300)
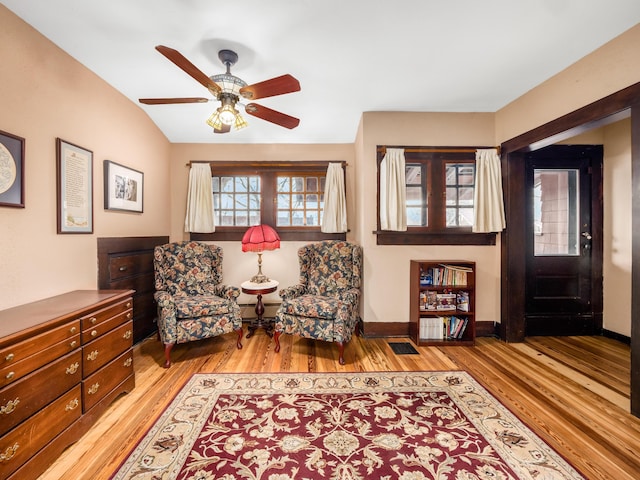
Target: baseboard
(616,336)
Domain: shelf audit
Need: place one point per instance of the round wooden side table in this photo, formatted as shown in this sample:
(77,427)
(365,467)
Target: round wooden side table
(259,289)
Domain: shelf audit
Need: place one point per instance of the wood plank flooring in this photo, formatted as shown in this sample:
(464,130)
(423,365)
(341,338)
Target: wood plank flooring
(572,391)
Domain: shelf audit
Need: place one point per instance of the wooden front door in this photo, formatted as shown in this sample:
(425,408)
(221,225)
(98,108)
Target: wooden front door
(563,286)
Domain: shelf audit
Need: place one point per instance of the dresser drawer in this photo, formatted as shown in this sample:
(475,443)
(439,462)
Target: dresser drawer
(95,318)
(21,350)
(100,328)
(129,265)
(101,351)
(29,394)
(96,386)
(18,369)
(21,443)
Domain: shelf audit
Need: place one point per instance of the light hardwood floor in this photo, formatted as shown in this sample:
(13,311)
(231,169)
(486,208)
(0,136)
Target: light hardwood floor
(572,391)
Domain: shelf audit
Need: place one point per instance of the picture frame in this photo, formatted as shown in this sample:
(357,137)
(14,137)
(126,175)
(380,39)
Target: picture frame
(123,188)
(74,165)
(11,170)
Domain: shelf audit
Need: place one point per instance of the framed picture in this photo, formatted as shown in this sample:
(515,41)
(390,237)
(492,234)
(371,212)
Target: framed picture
(123,187)
(75,188)
(11,170)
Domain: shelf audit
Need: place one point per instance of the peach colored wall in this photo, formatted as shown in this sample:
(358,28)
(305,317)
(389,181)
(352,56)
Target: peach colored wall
(386,268)
(47,94)
(617,194)
(282,264)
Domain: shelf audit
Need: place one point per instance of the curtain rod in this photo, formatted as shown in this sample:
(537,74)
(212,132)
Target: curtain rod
(289,163)
(383,149)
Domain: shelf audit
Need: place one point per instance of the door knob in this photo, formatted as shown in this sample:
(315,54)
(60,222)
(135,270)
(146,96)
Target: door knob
(586,235)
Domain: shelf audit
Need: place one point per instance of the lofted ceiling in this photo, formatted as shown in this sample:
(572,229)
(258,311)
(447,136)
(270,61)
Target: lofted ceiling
(350,56)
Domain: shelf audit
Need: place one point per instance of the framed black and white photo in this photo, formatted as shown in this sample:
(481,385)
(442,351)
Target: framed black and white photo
(75,188)
(123,187)
(11,170)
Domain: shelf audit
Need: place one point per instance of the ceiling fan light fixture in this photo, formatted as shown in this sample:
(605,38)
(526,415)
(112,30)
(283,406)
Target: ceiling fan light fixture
(214,120)
(240,122)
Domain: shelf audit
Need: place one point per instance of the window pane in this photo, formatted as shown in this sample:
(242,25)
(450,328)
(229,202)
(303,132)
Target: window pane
(284,184)
(466,175)
(413,174)
(284,202)
(297,218)
(414,216)
(312,184)
(465,196)
(297,184)
(556,207)
(284,219)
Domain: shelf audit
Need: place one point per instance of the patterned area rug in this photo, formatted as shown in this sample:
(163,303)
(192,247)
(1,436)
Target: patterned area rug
(356,426)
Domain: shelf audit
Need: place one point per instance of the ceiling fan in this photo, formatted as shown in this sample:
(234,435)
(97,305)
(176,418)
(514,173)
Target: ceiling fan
(228,89)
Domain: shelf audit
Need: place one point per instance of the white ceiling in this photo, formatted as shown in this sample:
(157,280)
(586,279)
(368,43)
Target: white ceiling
(350,56)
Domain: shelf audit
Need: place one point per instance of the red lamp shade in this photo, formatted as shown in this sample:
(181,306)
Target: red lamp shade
(260,238)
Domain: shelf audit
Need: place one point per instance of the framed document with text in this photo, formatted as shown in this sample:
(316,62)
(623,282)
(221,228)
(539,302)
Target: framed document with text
(75,188)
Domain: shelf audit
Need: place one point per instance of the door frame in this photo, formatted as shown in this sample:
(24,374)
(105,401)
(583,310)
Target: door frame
(610,109)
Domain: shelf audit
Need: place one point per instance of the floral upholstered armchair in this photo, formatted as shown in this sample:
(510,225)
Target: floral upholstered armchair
(325,304)
(192,301)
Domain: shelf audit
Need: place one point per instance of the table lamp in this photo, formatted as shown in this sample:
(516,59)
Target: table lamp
(258,239)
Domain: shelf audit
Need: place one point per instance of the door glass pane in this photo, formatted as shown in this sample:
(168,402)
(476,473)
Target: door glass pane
(555,212)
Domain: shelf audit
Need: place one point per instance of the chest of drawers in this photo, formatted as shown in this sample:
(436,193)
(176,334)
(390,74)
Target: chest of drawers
(63,360)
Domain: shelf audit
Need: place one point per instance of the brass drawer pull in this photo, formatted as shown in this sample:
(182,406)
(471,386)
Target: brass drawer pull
(129,315)
(73,368)
(9,407)
(127,335)
(94,333)
(128,362)
(93,320)
(9,453)
(72,330)
(10,375)
(93,389)
(9,357)
(128,304)
(93,355)
(73,344)
(123,268)
(72,405)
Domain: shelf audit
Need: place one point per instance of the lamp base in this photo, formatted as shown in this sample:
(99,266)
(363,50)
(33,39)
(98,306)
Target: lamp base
(260,278)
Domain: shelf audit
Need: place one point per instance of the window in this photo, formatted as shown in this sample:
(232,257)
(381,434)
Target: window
(286,195)
(440,184)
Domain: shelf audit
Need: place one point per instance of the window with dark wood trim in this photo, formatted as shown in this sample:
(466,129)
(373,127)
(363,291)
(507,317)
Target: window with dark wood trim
(440,194)
(289,196)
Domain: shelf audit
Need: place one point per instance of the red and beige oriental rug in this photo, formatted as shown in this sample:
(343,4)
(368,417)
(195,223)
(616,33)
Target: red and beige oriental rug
(356,426)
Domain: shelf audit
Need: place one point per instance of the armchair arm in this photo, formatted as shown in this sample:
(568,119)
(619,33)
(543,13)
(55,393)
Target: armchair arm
(226,291)
(292,291)
(351,296)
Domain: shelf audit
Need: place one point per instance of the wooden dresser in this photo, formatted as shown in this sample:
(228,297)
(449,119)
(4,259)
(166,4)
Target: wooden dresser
(63,360)
(127,263)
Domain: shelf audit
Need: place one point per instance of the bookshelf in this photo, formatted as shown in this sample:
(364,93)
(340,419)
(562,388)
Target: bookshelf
(442,302)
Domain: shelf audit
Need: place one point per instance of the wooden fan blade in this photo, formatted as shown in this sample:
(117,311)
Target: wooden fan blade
(225,129)
(181,61)
(162,101)
(272,116)
(270,88)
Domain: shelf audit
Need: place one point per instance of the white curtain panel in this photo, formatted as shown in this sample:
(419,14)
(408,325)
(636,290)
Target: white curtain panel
(334,218)
(393,192)
(488,215)
(200,215)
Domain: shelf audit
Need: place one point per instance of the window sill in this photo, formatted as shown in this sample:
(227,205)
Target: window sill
(285,236)
(385,237)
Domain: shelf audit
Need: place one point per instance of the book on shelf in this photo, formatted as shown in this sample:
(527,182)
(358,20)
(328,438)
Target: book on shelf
(446,301)
(462,301)
(431,328)
(454,275)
